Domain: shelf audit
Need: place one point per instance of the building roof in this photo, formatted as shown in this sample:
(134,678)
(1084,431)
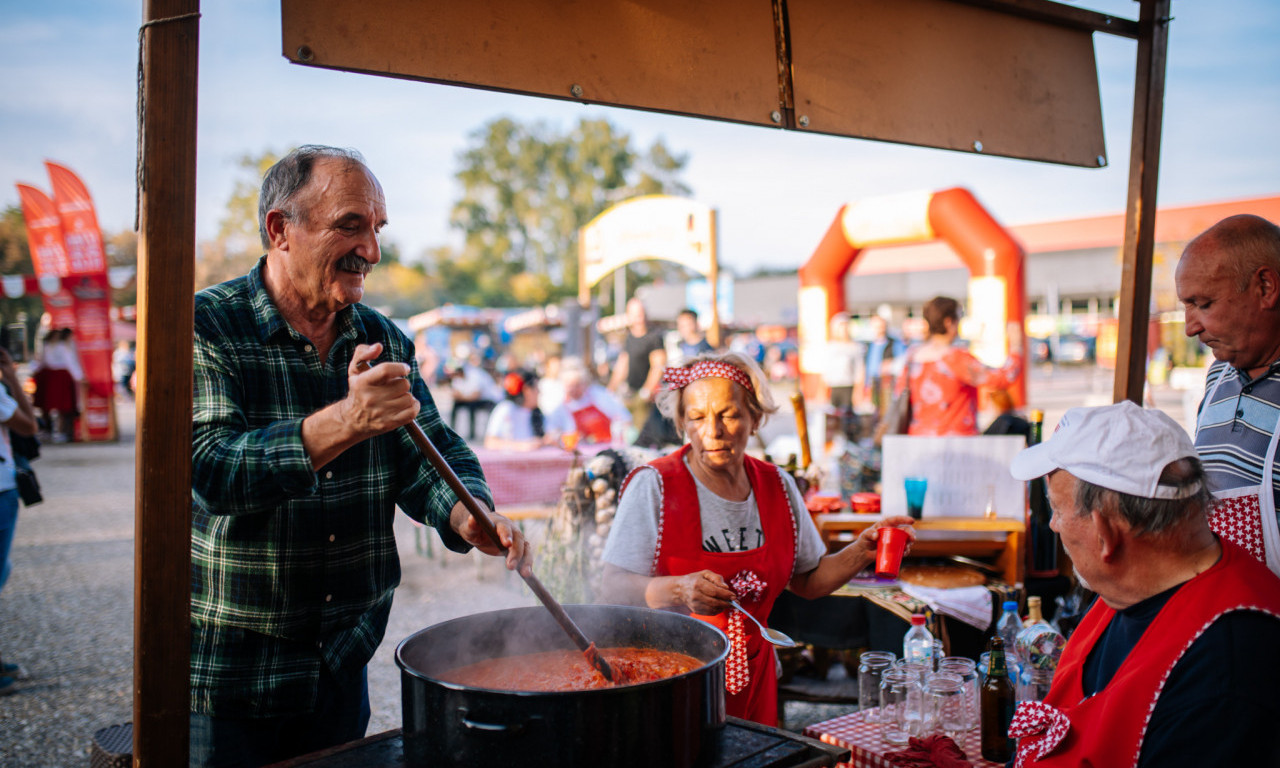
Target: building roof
(1173,224)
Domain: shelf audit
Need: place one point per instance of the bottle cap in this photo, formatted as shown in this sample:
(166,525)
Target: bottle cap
(917,619)
(1033,600)
(1010,605)
(1037,414)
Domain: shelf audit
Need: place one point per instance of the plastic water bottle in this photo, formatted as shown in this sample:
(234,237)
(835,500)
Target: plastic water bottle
(917,644)
(1008,627)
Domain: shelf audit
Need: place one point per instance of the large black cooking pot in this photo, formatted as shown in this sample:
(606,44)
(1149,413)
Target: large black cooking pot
(671,722)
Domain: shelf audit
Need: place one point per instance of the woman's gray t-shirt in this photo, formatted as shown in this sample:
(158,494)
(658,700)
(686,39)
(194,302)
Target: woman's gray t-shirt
(727,526)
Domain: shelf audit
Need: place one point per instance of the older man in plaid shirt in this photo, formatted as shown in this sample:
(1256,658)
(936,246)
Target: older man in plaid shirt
(298,464)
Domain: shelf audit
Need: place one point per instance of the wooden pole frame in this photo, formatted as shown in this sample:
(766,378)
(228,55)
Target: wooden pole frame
(1140,213)
(168,65)
(168,71)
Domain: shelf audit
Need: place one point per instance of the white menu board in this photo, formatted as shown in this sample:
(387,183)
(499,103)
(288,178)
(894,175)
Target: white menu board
(964,473)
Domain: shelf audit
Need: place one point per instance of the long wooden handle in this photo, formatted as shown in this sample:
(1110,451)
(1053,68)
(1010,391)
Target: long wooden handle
(802,429)
(478,513)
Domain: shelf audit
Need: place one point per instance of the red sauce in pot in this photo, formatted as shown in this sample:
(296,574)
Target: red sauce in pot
(568,670)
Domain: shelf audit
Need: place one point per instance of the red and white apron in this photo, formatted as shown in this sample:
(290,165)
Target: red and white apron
(1247,516)
(758,575)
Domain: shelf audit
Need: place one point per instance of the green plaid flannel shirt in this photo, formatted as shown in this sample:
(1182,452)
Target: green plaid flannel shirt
(293,569)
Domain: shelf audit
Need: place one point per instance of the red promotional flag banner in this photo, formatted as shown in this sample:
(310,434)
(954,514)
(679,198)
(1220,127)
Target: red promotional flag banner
(44,232)
(93,341)
(80,232)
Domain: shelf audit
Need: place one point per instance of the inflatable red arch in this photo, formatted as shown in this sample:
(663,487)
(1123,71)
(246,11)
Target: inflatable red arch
(952,215)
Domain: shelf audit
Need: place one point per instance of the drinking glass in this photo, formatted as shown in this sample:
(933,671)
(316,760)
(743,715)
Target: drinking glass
(870,666)
(915,488)
(918,669)
(967,670)
(901,706)
(1033,684)
(945,706)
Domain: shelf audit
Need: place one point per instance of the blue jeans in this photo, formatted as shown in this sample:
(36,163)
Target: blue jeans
(341,715)
(8,523)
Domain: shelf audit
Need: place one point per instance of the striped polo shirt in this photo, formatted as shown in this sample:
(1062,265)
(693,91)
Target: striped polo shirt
(1235,425)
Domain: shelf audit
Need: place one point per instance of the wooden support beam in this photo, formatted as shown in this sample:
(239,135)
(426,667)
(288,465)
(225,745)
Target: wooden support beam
(166,276)
(1140,213)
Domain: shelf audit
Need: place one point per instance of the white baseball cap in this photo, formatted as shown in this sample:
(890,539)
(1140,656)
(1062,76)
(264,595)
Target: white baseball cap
(1121,447)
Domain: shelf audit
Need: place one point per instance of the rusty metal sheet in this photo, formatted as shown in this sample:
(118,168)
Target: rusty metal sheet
(713,58)
(941,74)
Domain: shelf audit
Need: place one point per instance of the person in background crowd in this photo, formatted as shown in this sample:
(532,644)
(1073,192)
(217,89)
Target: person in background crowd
(474,390)
(882,351)
(1009,421)
(691,343)
(637,374)
(123,364)
(18,416)
(517,423)
(842,368)
(588,409)
(57,374)
(709,524)
(1175,663)
(1228,281)
(944,378)
(550,385)
(298,465)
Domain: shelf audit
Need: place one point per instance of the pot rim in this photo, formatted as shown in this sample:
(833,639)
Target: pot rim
(406,669)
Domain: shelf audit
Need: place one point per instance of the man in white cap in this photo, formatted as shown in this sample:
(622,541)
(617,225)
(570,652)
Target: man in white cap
(1175,662)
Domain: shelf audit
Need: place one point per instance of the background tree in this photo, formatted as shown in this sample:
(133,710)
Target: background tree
(15,259)
(237,245)
(526,190)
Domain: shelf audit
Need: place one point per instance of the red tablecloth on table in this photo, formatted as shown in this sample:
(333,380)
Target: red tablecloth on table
(529,478)
(863,740)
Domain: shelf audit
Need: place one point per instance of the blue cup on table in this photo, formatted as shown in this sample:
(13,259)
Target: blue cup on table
(916,488)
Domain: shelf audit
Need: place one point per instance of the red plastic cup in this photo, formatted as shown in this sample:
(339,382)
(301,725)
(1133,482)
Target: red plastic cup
(890,546)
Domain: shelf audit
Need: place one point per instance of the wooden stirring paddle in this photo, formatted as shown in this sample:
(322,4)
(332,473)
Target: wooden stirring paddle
(433,456)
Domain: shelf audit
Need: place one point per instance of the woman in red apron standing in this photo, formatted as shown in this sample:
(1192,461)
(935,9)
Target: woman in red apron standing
(708,524)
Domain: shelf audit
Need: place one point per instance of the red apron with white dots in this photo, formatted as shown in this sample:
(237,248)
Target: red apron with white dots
(758,576)
(1247,516)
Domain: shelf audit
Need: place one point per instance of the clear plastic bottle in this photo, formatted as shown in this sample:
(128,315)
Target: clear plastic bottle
(917,644)
(1008,627)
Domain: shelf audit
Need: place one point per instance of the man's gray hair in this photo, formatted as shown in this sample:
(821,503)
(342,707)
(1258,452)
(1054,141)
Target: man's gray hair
(1152,516)
(290,174)
(760,404)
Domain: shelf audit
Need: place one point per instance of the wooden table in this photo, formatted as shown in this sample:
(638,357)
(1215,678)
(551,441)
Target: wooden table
(1005,543)
(868,748)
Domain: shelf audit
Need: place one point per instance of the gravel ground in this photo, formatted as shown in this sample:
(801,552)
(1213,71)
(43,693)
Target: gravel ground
(66,614)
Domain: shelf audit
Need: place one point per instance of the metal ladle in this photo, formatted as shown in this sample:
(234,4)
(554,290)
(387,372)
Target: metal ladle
(770,635)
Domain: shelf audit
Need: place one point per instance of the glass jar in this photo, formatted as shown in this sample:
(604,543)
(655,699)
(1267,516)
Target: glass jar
(967,670)
(945,709)
(870,666)
(901,706)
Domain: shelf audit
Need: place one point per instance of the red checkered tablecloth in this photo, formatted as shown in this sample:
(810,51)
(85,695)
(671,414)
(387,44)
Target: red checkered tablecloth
(863,740)
(529,478)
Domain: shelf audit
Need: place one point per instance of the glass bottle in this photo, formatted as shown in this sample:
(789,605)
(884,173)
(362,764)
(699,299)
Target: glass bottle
(998,699)
(1039,647)
(1042,546)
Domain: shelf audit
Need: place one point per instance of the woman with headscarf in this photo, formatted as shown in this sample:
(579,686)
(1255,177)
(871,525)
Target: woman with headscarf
(709,524)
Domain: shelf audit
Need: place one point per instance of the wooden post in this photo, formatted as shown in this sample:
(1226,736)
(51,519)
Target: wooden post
(166,275)
(1140,213)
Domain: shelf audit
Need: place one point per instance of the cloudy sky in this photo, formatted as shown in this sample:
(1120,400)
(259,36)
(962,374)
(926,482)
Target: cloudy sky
(68,70)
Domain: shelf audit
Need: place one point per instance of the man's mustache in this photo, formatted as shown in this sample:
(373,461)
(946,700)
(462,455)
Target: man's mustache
(353,263)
